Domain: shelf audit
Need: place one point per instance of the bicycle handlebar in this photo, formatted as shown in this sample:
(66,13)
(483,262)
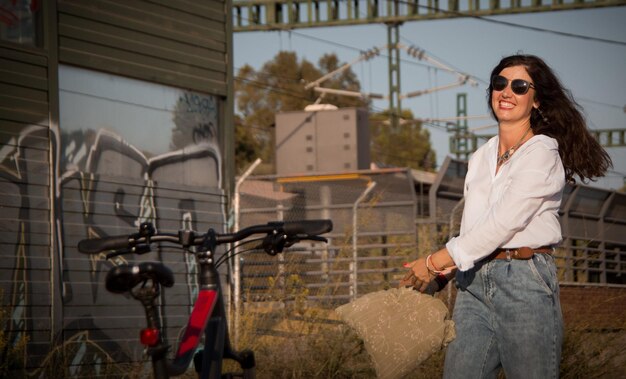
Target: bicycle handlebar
(303,229)
(95,246)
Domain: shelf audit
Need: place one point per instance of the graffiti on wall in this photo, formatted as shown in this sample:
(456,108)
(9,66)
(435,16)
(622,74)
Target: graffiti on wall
(24,241)
(113,173)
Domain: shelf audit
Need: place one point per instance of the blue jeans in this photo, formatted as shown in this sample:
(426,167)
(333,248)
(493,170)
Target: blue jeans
(507,314)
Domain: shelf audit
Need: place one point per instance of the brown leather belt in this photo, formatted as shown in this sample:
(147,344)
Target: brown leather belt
(520,252)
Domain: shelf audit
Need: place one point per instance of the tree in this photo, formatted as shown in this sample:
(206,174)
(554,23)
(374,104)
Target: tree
(278,87)
(247,146)
(408,146)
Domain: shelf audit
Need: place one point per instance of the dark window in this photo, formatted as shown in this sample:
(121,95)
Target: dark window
(21,21)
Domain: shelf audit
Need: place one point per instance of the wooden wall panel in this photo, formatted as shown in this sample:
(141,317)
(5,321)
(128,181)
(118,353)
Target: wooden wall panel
(172,43)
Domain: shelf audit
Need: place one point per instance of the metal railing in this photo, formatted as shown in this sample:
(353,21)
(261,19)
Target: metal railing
(255,15)
(389,230)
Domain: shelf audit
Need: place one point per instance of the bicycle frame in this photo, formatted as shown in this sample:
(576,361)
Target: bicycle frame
(208,316)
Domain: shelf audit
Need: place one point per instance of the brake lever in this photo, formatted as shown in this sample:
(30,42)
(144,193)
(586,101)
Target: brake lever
(297,238)
(316,238)
(276,243)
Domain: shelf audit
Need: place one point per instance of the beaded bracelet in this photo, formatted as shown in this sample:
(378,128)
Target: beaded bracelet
(434,269)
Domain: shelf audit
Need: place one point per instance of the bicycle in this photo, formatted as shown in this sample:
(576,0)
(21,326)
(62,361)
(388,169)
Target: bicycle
(144,281)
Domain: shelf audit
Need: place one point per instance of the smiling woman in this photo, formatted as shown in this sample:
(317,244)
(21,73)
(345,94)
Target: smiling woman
(512,106)
(507,311)
(549,110)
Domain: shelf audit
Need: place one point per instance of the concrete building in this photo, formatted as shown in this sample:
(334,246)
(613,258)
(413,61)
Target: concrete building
(322,141)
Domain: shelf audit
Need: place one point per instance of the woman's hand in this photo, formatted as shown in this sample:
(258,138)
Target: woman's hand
(418,277)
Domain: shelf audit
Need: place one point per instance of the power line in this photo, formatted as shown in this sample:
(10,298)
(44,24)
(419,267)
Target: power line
(357,49)
(372,107)
(297,80)
(557,32)
(349,47)
(271,88)
(581,99)
(268,75)
(514,25)
(481,18)
(287,92)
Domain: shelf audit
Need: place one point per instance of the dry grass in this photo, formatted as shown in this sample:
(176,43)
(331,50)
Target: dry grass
(12,352)
(298,340)
(304,343)
(593,354)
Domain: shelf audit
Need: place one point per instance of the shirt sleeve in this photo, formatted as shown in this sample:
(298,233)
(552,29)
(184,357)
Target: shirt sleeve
(536,175)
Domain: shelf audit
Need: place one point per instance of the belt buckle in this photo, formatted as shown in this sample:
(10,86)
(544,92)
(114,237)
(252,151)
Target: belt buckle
(510,252)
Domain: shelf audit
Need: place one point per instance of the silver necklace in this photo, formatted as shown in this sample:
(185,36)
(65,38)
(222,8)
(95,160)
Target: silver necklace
(507,154)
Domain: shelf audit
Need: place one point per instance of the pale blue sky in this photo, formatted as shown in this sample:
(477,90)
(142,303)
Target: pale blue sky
(594,71)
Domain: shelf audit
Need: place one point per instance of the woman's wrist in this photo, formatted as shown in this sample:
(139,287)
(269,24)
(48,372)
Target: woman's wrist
(441,261)
(430,266)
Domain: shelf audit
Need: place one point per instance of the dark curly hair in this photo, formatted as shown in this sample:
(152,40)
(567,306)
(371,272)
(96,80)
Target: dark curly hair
(559,117)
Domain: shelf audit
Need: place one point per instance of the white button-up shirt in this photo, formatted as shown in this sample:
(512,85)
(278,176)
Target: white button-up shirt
(516,207)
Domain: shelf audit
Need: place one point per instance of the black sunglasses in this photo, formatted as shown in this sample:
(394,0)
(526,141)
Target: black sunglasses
(518,86)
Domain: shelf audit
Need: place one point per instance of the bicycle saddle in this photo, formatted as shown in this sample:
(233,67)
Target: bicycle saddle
(123,278)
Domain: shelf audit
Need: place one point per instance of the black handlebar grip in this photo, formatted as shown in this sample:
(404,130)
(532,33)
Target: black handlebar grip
(96,245)
(308,227)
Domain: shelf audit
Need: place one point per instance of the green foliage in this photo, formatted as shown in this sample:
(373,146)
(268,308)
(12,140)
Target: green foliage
(408,145)
(248,147)
(279,87)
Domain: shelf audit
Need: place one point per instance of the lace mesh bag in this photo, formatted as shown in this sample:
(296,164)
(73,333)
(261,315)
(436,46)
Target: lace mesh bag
(400,328)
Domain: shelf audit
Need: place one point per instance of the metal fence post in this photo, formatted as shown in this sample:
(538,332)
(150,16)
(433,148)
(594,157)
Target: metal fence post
(325,202)
(236,290)
(280,278)
(354,264)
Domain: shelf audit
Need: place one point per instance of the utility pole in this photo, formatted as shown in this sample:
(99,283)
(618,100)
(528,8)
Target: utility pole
(395,106)
(459,143)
